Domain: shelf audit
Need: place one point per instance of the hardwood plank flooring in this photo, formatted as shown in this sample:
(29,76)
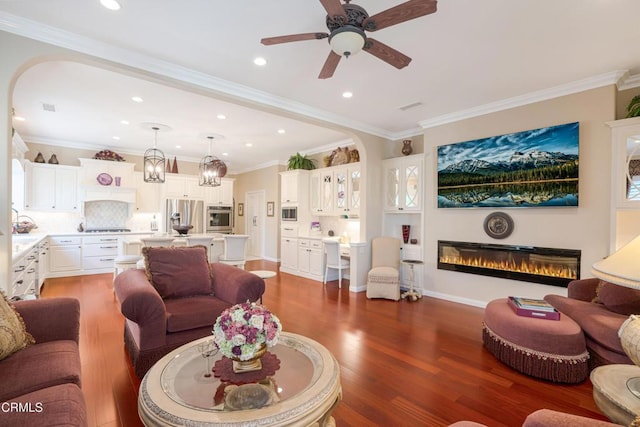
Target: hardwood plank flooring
(402,363)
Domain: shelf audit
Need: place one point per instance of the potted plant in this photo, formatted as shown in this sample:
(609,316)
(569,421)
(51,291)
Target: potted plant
(298,161)
(633,109)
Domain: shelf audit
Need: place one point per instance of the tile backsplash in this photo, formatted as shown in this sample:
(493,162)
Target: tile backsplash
(106,214)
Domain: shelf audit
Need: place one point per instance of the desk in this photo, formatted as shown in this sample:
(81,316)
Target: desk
(174,392)
(611,394)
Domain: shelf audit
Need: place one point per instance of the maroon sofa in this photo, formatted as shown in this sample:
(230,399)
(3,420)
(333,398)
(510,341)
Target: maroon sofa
(599,308)
(155,325)
(40,384)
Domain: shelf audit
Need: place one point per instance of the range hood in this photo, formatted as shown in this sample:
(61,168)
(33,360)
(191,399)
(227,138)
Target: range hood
(92,193)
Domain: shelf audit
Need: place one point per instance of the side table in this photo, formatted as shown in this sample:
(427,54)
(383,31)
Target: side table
(611,394)
(411,294)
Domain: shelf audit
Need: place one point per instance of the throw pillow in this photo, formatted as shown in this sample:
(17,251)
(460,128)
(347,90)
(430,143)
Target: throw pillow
(619,299)
(596,299)
(178,272)
(13,334)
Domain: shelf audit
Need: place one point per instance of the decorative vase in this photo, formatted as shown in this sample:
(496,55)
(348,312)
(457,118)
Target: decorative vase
(406,147)
(175,166)
(168,169)
(253,364)
(39,158)
(406,229)
(53,160)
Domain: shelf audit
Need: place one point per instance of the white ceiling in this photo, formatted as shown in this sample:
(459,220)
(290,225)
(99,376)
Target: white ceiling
(471,56)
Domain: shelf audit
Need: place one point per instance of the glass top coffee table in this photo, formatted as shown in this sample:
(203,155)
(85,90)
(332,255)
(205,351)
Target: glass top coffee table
(304,390)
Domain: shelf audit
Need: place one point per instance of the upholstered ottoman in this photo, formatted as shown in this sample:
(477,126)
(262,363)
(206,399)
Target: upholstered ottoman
(553,350)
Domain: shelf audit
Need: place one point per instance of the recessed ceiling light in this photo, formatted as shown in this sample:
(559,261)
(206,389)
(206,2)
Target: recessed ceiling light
(117,138)
(260,61)
(347,94)
(178,146)
(248,144)
(19,118)
(281,131)
(225,154)
(124,122)
(221,116)
(110,4)
(136,99)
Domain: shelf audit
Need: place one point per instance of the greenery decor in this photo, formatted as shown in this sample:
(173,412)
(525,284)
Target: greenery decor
(298,161)
(633,109)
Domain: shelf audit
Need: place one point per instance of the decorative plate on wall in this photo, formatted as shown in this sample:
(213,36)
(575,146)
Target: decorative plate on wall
(104,179)
(498,225)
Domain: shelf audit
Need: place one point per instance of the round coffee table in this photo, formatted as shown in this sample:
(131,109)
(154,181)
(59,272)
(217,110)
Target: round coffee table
(175,391)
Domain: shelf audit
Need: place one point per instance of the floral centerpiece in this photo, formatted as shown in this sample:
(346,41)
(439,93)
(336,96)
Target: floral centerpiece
(243,332)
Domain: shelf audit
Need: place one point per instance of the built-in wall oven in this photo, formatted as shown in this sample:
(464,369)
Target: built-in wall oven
(219,219)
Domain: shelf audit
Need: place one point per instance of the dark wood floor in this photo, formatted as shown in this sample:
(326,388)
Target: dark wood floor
(402,363)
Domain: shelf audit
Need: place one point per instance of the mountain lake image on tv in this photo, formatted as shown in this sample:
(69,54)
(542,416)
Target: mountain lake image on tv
(534,168)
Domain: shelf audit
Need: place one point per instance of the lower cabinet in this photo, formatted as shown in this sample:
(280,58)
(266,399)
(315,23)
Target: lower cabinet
(99,253)
(24,275)
(65,255)
(289,255)
(310,258)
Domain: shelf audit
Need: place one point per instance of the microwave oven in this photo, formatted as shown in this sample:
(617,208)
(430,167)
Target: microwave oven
(289,213)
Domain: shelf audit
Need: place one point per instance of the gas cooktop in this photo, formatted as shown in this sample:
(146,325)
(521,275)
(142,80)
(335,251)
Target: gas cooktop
(107,230)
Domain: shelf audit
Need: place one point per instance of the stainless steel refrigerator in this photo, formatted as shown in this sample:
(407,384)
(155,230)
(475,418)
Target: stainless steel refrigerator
(184,212)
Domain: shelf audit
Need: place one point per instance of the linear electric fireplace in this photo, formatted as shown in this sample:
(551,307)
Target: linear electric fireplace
(548,266)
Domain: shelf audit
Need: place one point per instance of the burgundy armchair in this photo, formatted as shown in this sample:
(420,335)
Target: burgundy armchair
(155,325)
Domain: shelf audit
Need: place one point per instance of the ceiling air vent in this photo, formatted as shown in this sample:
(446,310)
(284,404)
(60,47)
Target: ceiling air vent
(409,106)
(49,107)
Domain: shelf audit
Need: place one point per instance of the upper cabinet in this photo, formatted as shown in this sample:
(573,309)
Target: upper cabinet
(335,190)
(148,194)
(51,188)
(402,180)
(221,195)
(294,186)
(183,187)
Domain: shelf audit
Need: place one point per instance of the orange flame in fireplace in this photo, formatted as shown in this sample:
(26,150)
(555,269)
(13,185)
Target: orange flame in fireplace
(530,267)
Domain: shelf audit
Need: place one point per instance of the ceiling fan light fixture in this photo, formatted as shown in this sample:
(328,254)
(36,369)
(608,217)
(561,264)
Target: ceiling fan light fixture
(347,40)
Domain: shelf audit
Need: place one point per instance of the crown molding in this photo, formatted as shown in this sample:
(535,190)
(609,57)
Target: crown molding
(628,81)
(601,80)
(57,37)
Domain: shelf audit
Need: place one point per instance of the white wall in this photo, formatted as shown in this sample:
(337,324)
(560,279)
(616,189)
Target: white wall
(585,228)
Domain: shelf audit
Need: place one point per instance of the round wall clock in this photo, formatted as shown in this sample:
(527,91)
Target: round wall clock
(498,225)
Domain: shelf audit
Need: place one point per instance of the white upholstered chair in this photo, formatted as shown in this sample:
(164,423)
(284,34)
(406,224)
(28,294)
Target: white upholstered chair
(234,250)
(205,241)
(334,260)
(383,280)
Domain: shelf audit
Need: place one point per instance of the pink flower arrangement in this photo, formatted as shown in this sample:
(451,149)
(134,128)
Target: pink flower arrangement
(242,329)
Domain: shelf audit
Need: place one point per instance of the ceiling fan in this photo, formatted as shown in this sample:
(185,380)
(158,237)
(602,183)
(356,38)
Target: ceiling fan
(347,24)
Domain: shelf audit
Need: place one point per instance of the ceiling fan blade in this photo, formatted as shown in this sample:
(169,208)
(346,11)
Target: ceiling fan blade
(330,65)
(401,13)
(334,8)
(293,38)
(386,53)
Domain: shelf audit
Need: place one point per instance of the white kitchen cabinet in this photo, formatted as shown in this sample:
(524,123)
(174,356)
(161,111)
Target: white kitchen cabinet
(65,254)
(221,195)
(183,187)
(335,190)
(24,274)
(294,186)
(322,191)
(402,182)
(99,253)
(43,264)
(148,194)
(51,188)
(289,254)
(310,258)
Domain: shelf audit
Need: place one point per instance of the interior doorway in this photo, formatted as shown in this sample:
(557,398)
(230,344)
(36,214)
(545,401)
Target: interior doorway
(255,219)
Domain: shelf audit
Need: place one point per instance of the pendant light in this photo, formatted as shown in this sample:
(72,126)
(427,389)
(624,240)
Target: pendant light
(154,161)
(211,169)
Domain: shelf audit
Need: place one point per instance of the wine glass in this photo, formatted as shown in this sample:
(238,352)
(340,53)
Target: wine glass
(207,349)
